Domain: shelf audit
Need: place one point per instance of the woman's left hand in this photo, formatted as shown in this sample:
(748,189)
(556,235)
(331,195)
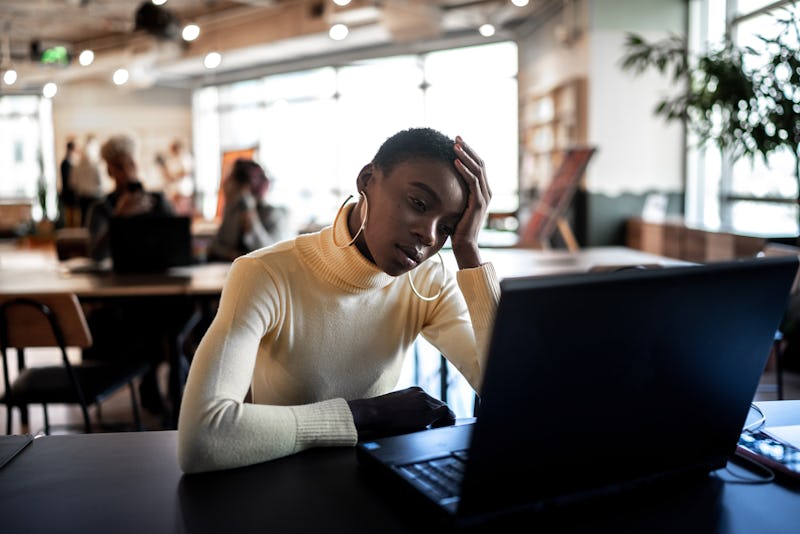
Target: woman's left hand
(465,236)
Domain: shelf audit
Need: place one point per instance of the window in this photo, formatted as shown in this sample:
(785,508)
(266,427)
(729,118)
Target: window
(26,154)
(314,129)
(744,196)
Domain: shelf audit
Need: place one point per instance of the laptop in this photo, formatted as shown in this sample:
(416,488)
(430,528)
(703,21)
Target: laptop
(150,244)
(598,383)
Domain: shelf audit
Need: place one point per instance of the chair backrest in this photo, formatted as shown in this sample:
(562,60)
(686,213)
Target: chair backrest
(27,326)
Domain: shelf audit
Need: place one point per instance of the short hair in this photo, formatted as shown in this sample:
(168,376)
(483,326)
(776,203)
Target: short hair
(116,147)
(247,172)
(414,143)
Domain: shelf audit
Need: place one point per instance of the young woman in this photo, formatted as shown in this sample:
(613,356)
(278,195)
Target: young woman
(313,331)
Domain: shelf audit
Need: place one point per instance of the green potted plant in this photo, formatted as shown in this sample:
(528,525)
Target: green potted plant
(745,101)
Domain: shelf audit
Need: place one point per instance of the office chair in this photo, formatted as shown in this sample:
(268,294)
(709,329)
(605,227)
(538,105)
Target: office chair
(57,321)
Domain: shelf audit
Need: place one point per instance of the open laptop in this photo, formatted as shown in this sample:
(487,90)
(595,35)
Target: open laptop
(591,381)
(149,244)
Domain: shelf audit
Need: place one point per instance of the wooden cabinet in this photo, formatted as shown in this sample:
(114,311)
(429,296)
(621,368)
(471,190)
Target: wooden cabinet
(672,238)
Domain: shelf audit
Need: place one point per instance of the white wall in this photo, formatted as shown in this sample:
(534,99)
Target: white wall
(637,150)
(153,117)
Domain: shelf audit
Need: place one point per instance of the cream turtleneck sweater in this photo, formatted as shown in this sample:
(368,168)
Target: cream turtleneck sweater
(307,326)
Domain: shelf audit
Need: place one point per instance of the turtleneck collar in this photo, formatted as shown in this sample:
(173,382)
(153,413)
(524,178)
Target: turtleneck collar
(345,268)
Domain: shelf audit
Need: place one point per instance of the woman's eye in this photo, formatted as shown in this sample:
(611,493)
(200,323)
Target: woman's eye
(418,204)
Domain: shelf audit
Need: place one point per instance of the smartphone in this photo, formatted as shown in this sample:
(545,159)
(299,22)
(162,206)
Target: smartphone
(766,450)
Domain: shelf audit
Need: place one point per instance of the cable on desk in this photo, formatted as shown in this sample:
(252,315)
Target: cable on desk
(769,474)
(752,427)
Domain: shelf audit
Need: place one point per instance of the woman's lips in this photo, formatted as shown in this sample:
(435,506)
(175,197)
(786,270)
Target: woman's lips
(409,257)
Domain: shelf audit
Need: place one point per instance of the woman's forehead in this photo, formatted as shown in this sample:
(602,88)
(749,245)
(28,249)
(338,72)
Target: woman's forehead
(438,178)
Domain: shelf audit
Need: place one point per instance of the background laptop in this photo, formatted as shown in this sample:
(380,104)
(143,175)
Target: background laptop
(598,382)
(150,244)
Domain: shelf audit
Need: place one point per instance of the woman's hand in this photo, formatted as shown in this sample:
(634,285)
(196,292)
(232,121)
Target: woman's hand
(399,412)
(465,236)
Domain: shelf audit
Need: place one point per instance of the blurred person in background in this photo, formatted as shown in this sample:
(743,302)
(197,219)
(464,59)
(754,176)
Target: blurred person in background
(128,198)
(249,222)
(69,209)
(86,177)
(177,169)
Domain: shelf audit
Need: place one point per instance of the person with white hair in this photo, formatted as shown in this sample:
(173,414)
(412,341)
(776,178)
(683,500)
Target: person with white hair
(128,199)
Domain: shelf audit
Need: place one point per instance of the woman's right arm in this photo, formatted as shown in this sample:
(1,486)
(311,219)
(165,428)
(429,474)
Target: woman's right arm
(216,428)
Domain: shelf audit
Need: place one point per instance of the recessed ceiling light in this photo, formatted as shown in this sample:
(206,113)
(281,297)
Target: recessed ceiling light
(487,30)
(212,60)
(341,2)
(159,2)
(49,90)
(190,32)
(10,77)
(86,58)
(520,3)
(121,76)
(338,32)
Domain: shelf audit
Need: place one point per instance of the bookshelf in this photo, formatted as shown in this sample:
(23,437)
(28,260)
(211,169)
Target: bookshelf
(552,121)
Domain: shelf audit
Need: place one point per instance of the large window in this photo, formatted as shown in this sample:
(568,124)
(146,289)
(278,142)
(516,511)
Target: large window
(26,153)
(744,196)
(315,129)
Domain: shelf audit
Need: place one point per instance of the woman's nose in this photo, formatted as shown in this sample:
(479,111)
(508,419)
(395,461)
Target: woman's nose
(426,230)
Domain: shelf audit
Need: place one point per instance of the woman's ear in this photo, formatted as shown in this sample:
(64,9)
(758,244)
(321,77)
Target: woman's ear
(365,176)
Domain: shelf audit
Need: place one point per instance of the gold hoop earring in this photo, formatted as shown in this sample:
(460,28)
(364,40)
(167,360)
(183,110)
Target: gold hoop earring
(363,220)
(437,295)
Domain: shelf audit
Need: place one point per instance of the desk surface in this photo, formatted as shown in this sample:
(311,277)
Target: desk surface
(38,271)
(131,483)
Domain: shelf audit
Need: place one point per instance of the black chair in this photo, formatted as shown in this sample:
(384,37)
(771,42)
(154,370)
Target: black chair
(57,320)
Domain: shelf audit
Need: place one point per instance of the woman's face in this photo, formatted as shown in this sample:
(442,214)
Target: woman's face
(412,211)
(122,170)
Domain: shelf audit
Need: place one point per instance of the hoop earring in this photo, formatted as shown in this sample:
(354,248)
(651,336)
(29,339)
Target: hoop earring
(437,295)
(363,220)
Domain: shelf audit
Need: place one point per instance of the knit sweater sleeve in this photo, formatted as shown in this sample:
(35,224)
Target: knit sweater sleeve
(461,321)
(216,428)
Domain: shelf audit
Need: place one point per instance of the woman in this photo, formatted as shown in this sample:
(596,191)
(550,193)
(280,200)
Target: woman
(314,330)
(248,221)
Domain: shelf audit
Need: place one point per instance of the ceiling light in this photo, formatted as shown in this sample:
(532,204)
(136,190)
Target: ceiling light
(212,60)
(121,76)
(190,32)
(49,90)
(487,30)
(520,3)
(86,58)
(341,2)
(10,77)
(338,32)
(159,2)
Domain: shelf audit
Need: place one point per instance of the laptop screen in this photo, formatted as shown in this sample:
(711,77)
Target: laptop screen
(600,379)
(150,244)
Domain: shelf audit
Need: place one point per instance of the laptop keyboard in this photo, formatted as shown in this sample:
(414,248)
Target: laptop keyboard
(440,478)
